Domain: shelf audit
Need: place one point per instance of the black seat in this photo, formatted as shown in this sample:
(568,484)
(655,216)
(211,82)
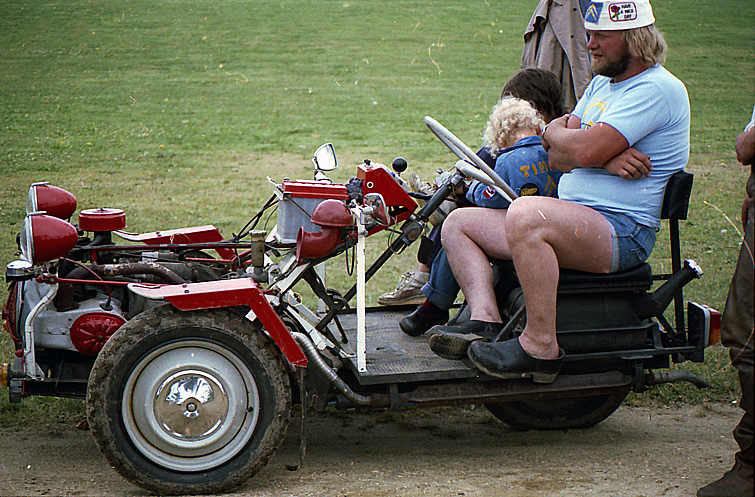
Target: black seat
(636,278)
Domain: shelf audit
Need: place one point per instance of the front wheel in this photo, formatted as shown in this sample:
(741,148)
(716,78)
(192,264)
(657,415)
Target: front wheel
(559,414)
(188,402)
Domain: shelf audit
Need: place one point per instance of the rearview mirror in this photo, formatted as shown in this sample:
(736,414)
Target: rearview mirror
(325,158)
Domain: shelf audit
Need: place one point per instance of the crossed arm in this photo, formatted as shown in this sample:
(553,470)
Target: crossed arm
(600,146)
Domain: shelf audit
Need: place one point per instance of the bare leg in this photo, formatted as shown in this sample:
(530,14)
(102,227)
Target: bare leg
(542,235)
(469,236)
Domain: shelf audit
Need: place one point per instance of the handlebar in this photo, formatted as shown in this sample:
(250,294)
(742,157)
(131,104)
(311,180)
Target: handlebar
(420,196)
(441,194)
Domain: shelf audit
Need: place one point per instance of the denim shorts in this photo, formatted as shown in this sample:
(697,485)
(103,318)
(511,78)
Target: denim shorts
(632,242)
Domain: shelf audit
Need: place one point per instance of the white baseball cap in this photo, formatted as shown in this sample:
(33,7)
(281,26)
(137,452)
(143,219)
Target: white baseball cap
(612,16)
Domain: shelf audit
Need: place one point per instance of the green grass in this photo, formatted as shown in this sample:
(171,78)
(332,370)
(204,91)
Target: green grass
(177,111)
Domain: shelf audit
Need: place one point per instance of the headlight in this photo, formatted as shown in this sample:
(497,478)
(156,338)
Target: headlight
(45,238)
(52,200)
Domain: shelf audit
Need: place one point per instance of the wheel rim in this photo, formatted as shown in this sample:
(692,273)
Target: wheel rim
(190,405)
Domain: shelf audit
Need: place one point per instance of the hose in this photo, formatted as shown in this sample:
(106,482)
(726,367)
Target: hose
(314,357)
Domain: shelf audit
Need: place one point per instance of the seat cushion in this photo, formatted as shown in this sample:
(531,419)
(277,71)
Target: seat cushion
(637,278)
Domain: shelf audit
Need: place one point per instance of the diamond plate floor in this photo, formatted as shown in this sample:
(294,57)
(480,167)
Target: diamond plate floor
(394,357)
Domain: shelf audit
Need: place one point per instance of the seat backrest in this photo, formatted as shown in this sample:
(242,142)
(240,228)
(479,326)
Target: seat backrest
(676,197)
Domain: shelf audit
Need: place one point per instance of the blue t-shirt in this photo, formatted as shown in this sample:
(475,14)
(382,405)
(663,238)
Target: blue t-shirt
(524,166)
(651,110)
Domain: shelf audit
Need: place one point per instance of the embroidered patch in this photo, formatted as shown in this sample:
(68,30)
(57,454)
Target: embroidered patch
(623,11)
(528,190)
(592,14)
(488,192)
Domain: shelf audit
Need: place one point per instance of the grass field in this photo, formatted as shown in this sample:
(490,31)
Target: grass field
(176,111)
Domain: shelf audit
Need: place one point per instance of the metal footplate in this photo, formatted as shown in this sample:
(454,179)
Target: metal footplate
(393,356)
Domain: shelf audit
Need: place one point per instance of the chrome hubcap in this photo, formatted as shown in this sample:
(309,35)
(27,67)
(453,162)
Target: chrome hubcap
(191,405)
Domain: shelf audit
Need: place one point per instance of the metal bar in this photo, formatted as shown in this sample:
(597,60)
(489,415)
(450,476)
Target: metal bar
(481,392)
(55,279)
(676,265)
(361,333)
(398,244)
(631,354)
(169,246)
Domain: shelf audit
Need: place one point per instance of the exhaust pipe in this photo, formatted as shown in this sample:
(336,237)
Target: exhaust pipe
(650,305)
(674,376)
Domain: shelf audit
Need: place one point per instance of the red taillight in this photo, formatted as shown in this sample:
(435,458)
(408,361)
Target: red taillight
(46,238)
(52,200)
(714,333)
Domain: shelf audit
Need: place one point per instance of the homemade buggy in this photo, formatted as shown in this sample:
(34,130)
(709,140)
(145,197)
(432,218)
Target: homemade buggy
(191,349)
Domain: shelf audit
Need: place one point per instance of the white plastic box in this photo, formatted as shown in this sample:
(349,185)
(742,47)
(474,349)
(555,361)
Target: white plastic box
(299,201)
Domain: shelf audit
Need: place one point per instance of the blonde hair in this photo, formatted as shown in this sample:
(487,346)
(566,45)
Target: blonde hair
(508,116)
(647,44)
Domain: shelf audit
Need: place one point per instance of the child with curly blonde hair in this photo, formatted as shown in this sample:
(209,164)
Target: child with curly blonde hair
(513,131)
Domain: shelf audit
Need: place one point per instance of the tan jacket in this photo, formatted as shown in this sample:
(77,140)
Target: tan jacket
(556,40)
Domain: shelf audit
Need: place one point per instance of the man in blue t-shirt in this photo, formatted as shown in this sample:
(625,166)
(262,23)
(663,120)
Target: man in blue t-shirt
(627,135)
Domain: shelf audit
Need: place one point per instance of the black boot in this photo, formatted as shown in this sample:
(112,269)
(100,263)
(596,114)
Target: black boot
(509,360)
(452,342)
(422,319)
(732,484)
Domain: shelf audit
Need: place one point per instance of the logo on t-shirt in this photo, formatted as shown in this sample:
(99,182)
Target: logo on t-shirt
(488,192)
(529,190)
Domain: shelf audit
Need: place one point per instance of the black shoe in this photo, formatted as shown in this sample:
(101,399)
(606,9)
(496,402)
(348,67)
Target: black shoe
(732,484)
(421,320)
(452,342)
(509,360)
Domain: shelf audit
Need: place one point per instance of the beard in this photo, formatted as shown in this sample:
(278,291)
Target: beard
(612,68)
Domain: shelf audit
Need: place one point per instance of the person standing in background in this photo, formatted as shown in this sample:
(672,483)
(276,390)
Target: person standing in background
(737,334)
(556,40)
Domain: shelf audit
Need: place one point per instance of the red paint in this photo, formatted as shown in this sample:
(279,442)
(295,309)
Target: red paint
(90,331)
(315,189)
(52,237)
(195,234)
(54,201)
(102,219)
(228,293)
(377,179)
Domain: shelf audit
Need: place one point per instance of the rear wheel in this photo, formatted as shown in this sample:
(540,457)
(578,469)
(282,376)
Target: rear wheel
(188,402)
(559,414)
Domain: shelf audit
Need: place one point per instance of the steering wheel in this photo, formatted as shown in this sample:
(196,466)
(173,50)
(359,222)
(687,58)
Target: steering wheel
(466,154)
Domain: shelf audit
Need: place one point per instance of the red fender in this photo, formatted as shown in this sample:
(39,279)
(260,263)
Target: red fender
(194,234)
(227,293)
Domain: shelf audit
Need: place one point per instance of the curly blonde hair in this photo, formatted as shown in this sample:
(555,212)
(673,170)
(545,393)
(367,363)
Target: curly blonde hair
(509,116)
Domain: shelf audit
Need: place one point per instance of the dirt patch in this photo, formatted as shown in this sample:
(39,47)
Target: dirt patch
(639,451)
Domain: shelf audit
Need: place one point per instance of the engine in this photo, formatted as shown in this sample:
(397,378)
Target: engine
(92,300)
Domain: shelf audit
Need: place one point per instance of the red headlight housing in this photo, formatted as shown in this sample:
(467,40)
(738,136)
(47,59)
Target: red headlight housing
(52,200)
(333,218)
(332,213)
(317,244)
(45,238)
